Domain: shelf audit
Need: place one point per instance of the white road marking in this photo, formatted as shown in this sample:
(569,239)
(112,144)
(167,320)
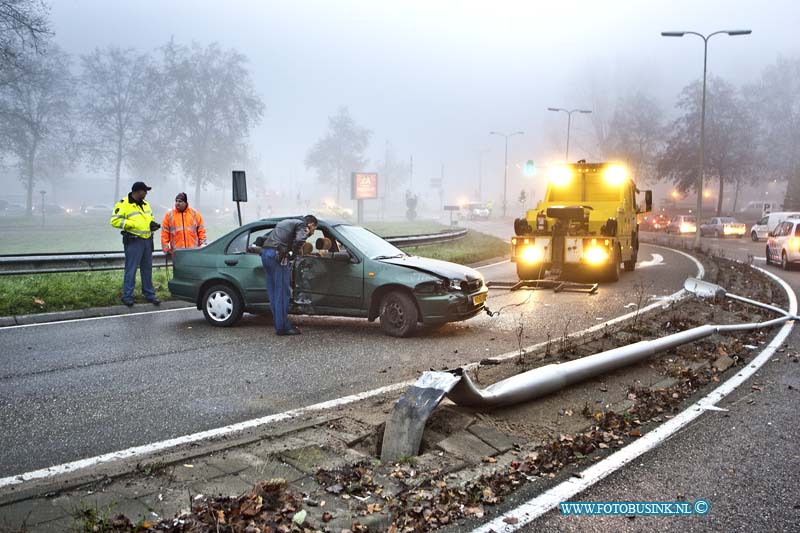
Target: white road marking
(493,264)
(657,260)
(271,419)
(536,507)
(71,320)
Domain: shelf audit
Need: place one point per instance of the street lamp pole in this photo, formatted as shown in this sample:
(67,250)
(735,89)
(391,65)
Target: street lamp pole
(505,168)
(701,176)
(569,123)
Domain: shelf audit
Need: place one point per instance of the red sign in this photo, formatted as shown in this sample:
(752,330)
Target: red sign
(365,185)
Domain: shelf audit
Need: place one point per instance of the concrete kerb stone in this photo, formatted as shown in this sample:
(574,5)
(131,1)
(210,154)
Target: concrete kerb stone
(41,318)
(466,446)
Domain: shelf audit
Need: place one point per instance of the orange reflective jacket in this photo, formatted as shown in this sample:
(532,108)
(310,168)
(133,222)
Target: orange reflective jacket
(182,230)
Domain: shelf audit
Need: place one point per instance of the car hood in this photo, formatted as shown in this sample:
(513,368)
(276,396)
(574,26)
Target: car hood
(443,269)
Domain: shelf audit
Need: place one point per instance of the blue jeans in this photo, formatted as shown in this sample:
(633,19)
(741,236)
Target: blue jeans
(279,290)
(138,254)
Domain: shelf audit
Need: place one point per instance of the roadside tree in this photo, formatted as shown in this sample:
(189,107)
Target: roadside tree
(23,27)
(211,107)
(776,101)
(36,126)
(118,86)
(340,152)
(637,134)
(730,140)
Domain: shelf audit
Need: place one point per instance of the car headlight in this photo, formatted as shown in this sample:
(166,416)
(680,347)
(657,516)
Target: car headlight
(455,285)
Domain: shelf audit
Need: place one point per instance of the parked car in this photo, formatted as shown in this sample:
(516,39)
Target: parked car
(761,229)
(783,244)
(681,224)
(723,227)
(362,276)
(654,222)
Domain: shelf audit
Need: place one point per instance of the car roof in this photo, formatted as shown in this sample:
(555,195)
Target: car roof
(275,220)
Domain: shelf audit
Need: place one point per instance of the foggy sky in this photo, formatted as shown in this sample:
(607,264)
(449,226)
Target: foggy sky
(434,77)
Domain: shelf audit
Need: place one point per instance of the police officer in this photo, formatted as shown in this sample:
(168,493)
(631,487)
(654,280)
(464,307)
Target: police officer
(287,236)
(135,218)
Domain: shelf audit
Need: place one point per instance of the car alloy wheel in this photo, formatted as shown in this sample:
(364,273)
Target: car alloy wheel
(222,305)
(398,314)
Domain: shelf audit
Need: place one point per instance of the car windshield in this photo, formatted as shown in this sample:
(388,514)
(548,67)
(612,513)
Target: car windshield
(727,220)
(369,243)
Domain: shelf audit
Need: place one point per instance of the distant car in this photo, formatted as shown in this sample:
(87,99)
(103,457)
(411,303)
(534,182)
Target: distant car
(475,211)
(723,227)
(51,209)
(362,276)
(681,224)
(760,230)
(783,244)
(12,210)
(97,210)
(654,222)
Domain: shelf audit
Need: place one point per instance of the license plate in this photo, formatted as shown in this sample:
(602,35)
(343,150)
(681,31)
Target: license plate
(479,298)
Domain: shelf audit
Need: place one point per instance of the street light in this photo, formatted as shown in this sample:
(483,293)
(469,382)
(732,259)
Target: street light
(569,122)
(505,168)
(700,178)
(42,192)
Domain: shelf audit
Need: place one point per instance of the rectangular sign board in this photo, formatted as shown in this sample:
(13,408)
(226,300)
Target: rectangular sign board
(364,185)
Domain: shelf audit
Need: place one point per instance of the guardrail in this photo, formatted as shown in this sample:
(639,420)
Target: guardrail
(84,262)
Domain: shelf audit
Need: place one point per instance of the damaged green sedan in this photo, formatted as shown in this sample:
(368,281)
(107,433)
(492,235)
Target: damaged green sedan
(345,270)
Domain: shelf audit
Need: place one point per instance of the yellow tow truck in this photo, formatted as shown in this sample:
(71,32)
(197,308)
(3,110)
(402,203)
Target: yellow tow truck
(587,223)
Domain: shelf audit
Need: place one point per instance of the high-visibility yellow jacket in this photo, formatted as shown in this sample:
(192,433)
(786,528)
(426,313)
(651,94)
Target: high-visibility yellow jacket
(182,229)
(133,218)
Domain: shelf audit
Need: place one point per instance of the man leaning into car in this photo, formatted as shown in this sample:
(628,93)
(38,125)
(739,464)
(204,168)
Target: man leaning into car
(277,248)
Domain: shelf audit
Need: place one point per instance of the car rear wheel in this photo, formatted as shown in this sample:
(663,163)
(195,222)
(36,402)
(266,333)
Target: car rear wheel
(222,305)
(398,314)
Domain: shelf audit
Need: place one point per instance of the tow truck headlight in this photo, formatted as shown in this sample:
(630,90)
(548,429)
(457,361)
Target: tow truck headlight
(531,254)
(615,175)
(559,176)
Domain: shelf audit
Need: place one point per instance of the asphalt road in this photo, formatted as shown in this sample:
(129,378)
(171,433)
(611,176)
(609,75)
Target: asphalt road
(79,389)
(744,461)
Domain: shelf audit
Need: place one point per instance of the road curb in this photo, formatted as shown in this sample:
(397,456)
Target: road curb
(91,312)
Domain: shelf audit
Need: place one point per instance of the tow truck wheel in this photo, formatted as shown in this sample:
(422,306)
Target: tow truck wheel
(398,314)
(612,274)
(528,271)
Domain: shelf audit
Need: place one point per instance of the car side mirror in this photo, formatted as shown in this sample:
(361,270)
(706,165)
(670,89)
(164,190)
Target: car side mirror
(341,257)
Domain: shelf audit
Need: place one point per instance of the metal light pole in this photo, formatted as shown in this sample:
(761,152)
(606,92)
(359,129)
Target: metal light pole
(569,123)
(505,168)
(701,177)
(42,192)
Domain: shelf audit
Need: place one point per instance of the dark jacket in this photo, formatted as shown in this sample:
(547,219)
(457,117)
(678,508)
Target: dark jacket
(289,234)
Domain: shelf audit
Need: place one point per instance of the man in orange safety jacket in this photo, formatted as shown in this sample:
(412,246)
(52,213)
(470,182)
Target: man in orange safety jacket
(182,227)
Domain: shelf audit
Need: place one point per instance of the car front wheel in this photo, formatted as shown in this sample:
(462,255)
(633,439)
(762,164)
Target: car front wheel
(754,236)
(222,305)
(398,314)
